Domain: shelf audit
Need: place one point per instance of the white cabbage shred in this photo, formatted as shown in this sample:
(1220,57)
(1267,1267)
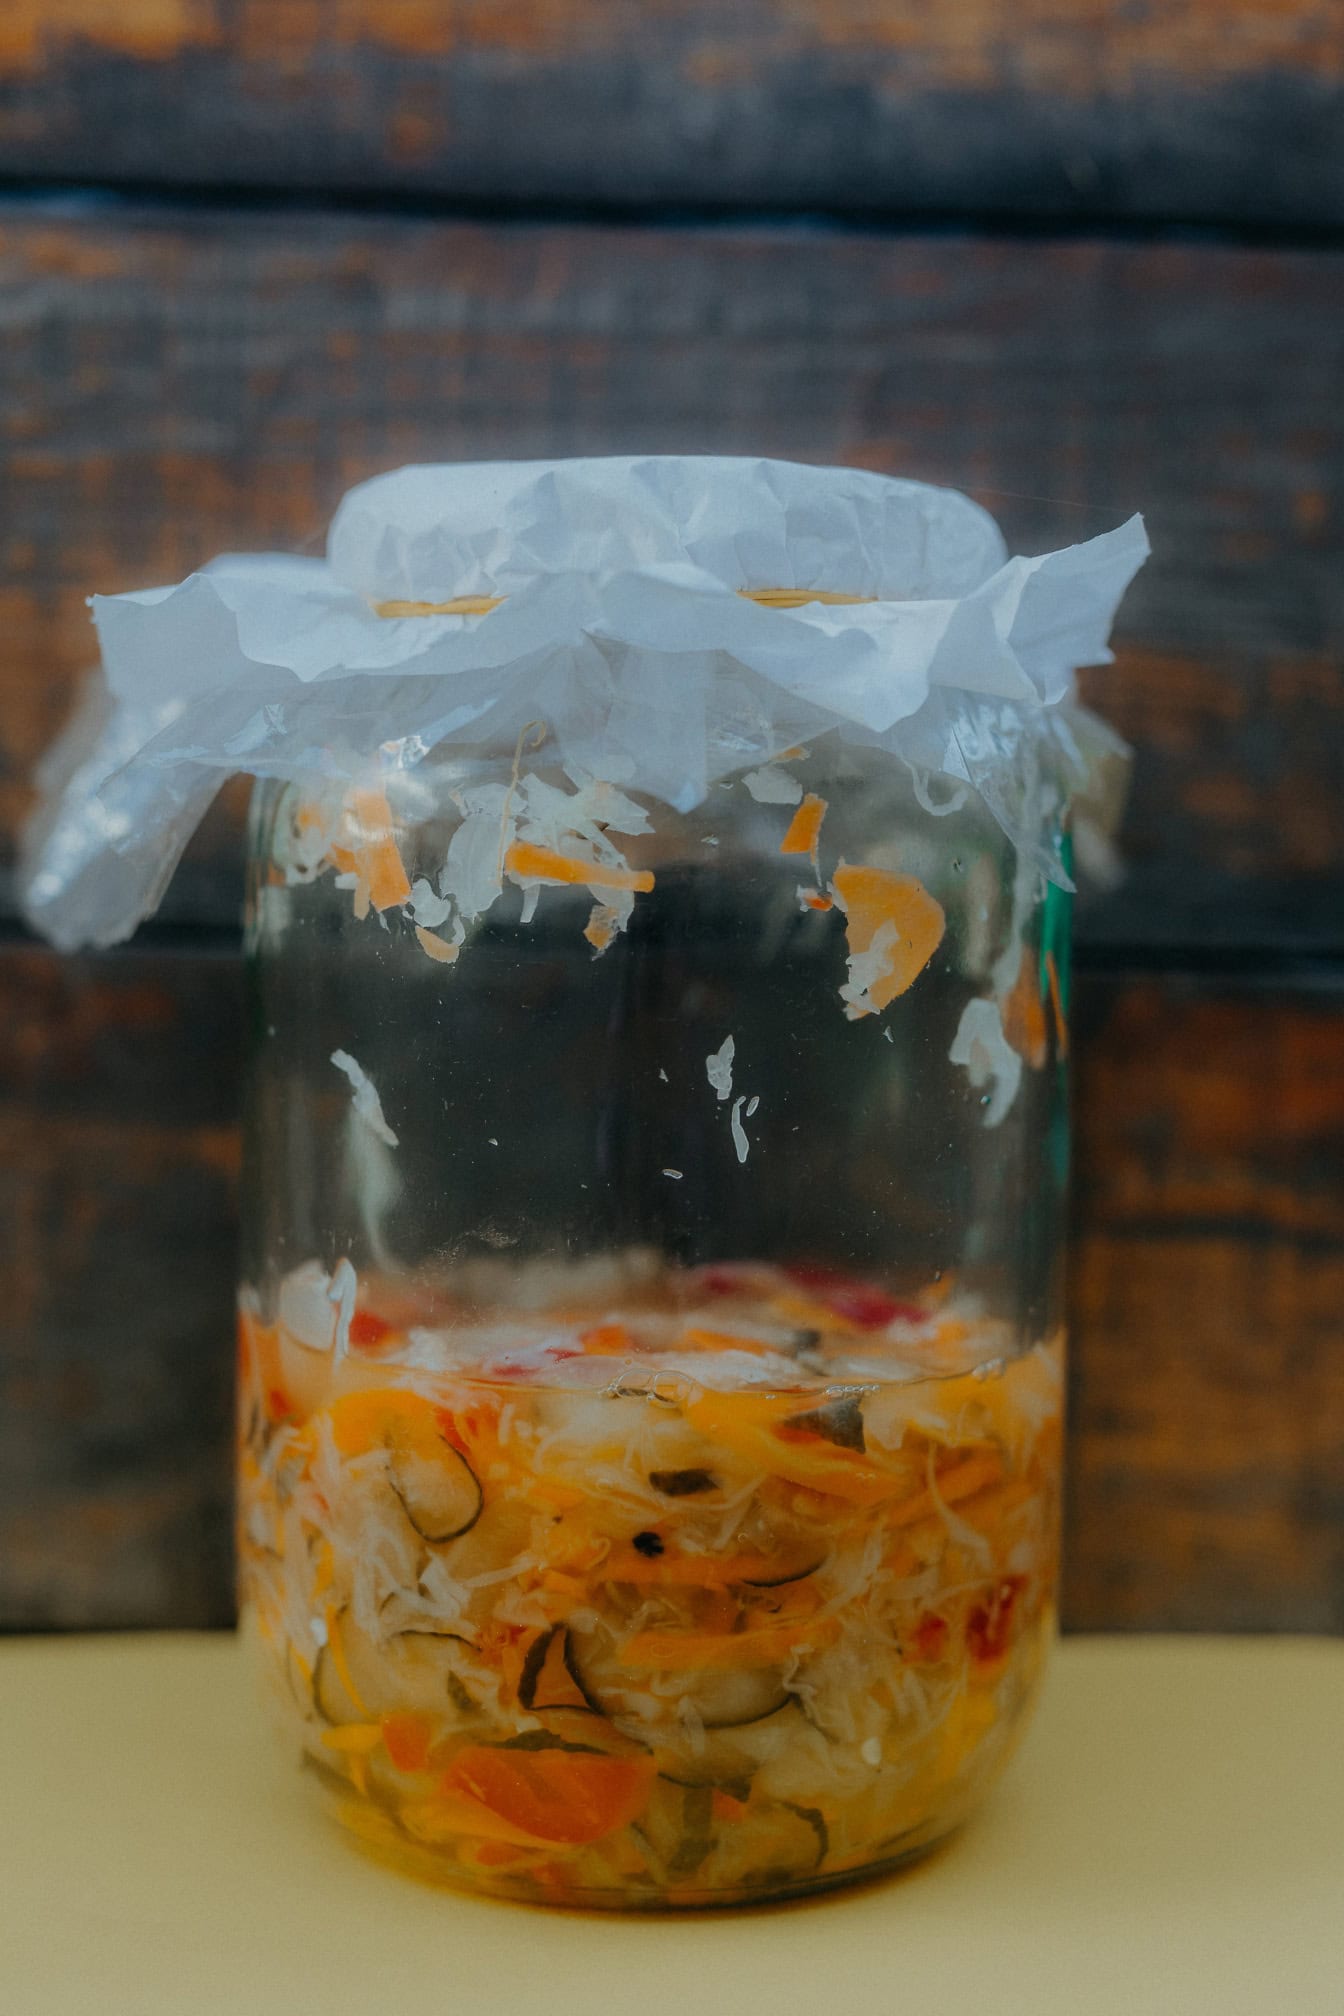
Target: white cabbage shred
(305,1307)
(575,824)
(866,968)
(341,1294)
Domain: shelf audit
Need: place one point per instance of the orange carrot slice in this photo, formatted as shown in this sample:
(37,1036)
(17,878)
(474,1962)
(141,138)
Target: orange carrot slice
(523,859)
(564,1797)
(691,1651)
(375,1417)
(602,926)
(696,1339)
(874,899)
(376,855)
(1024,1016)
(449,1815)
(804,834)
(960,1480)
(406,1737)
(610,1340)
(746,1423)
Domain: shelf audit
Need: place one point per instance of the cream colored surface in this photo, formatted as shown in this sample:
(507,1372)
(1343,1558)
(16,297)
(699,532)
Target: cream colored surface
(1171,1838)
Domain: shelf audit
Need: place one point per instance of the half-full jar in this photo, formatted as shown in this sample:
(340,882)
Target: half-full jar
(651,1357)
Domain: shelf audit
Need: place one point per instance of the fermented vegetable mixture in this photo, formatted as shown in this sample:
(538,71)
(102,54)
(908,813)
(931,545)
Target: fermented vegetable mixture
(630,1587)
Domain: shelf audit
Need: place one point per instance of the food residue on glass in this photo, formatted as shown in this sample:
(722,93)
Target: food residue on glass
(769,786)
(893,927)
(365,1100)
(719,1068)
(989,1059)
(804,830)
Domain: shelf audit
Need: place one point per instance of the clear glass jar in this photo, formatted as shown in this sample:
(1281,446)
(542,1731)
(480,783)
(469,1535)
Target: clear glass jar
(652,1377)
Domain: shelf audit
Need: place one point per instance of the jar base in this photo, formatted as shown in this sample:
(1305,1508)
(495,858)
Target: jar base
(374,1834)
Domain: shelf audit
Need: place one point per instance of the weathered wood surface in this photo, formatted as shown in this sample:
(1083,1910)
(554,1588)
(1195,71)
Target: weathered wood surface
(1060,108)
(177,384)
(118,1166)
(1208,1283)
(1207,1486)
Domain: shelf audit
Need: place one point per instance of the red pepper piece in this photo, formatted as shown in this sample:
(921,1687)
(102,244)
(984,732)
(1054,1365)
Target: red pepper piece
(930,1640)
(856,1301)
(723,1281)
(279,1406)
(368,1331)
(990,1625)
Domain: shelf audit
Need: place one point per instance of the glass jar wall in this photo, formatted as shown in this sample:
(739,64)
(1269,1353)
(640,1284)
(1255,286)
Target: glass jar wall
(651,1357)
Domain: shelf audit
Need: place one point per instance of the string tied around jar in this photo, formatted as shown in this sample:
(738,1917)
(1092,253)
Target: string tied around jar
(481,605)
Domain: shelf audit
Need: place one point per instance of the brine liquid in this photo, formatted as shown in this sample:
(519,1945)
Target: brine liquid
(727,1592)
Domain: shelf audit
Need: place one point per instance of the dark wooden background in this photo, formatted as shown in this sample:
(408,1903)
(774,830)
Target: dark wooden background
(1077,256)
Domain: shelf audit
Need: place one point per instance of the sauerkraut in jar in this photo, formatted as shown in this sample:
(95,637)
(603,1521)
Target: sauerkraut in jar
(651,1355)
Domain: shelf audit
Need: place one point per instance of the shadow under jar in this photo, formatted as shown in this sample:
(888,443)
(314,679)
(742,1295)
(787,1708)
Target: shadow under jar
(651,1363)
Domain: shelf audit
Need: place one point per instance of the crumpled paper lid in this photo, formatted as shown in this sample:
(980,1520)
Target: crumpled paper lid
(623,620)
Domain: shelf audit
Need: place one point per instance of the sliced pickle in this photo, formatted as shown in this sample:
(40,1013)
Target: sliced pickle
(548,1679)
(439,1493)
(726,1760)
(358,1678)
(788,1845)
(678,1826)
(840,1421)
(723,1698)
(683,1483)
(785,1575)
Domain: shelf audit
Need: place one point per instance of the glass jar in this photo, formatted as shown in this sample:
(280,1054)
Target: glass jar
(651,1349)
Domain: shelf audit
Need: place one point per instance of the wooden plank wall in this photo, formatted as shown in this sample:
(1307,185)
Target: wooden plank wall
(1222,111)
(189,369)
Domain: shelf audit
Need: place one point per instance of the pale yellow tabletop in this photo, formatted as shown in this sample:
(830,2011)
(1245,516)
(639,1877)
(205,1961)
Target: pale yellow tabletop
(1171,1838)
